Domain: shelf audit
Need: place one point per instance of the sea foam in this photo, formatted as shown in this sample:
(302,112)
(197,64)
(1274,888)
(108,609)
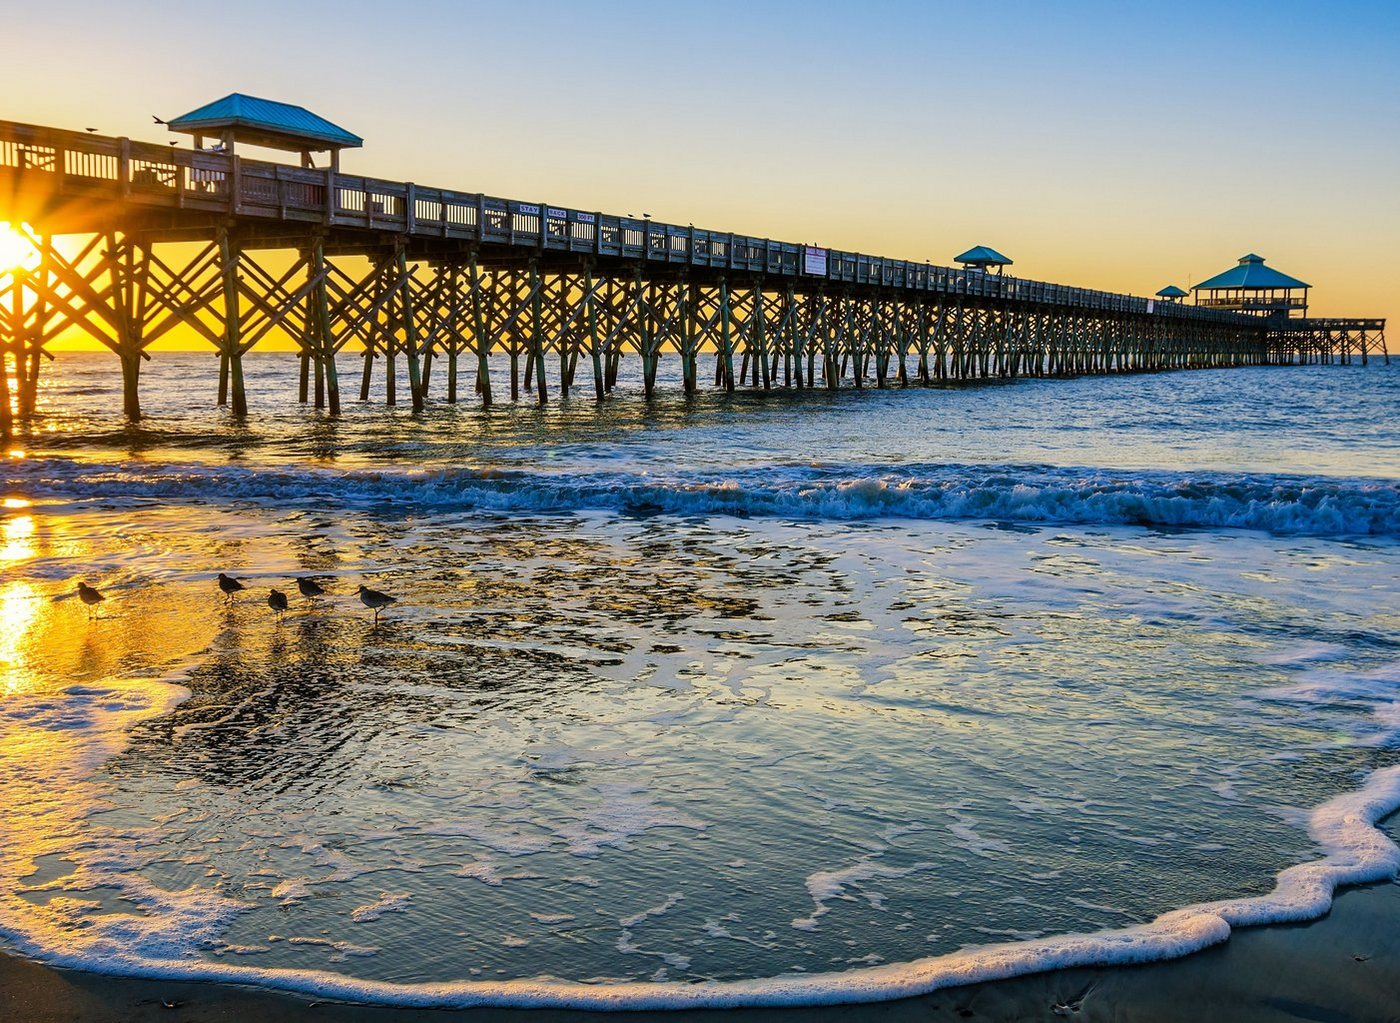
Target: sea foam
(59,739)
(1316,506)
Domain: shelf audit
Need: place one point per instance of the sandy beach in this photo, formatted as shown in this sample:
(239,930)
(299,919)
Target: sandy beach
(1345,966)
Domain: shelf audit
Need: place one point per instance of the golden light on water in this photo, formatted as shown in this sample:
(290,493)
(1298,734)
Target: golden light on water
(19,607)
(17,538)
(16,502)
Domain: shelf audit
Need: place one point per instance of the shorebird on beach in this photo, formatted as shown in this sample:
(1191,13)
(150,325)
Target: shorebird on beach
(230,586)
(310,588)
(89,596)
(375,601)
(277,600)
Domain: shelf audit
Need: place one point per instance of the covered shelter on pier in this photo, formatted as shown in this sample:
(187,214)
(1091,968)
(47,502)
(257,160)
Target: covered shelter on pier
(263,122)
(1251,287)
(984,258)
(1171,293)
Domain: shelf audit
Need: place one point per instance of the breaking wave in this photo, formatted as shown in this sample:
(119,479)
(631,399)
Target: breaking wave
(1295,505)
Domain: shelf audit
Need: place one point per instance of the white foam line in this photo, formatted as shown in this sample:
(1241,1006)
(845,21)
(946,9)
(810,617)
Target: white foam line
(1356,853)
(1026,493)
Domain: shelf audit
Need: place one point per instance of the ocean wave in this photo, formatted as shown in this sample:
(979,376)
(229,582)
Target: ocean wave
(1310,506)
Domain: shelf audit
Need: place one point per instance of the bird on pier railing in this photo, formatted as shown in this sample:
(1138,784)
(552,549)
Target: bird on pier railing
(375,601)
(230,586)
(89,596)
(277,600)
(310,588)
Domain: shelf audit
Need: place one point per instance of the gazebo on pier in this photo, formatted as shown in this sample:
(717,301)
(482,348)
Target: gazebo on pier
(1171,293)
(984,258)
(1251,287)
(267,123)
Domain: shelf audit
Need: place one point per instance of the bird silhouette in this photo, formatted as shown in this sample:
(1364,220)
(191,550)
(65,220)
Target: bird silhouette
(91,129)
(375,601)
(230,586)
(89,596)
(277,600)
(156,119)
(309,588)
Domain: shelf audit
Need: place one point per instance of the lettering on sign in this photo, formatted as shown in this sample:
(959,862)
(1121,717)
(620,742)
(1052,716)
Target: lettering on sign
(584,218)
(525,208)
(557,214)
(814,261)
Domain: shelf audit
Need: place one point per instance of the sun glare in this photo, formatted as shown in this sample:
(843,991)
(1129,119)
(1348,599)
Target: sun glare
(17,252)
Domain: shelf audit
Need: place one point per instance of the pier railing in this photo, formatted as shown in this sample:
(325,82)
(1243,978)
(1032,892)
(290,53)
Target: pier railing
(89,165)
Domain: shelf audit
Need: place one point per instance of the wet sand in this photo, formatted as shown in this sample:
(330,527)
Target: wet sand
(1345,966)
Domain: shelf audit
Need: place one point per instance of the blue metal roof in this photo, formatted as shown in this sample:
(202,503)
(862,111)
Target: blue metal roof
(267,118)
(984,255)
(1171,291)
(1251,273)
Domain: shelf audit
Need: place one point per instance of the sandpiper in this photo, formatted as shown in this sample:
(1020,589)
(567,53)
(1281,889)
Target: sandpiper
(277,600)
(310,588)
(89,596)
(230,586)
(375,601)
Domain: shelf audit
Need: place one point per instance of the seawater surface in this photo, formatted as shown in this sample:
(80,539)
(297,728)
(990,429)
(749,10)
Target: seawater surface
(744,700)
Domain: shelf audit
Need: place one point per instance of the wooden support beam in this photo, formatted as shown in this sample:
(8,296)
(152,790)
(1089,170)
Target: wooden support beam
(232,350)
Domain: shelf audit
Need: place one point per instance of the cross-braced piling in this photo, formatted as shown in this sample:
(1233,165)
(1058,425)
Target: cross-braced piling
(423,285)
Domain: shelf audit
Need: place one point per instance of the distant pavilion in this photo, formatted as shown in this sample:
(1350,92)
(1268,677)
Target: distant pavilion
(984,258)
(263,122)
(1252,287)
(1171,293)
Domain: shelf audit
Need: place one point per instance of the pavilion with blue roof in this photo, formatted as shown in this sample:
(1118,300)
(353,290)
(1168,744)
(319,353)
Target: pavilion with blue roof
(264,122)
(984,258)
(1252,287)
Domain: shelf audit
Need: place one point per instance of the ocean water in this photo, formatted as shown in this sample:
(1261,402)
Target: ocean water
(751,699)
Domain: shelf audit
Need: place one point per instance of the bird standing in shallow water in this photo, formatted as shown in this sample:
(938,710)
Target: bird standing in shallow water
(310,588)
(230,586)
(375,601)
(277,600)
(89,596)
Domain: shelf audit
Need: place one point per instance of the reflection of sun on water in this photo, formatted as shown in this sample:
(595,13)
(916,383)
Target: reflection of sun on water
(19,607)
(19,603)
(17,538)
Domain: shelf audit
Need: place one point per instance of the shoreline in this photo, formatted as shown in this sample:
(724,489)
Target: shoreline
(1345,965)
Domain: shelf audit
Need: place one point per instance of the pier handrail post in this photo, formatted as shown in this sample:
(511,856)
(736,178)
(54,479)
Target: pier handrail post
(124,166)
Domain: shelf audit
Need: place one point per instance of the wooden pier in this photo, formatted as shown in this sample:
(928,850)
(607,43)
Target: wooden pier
(426,283)
(1326,340)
